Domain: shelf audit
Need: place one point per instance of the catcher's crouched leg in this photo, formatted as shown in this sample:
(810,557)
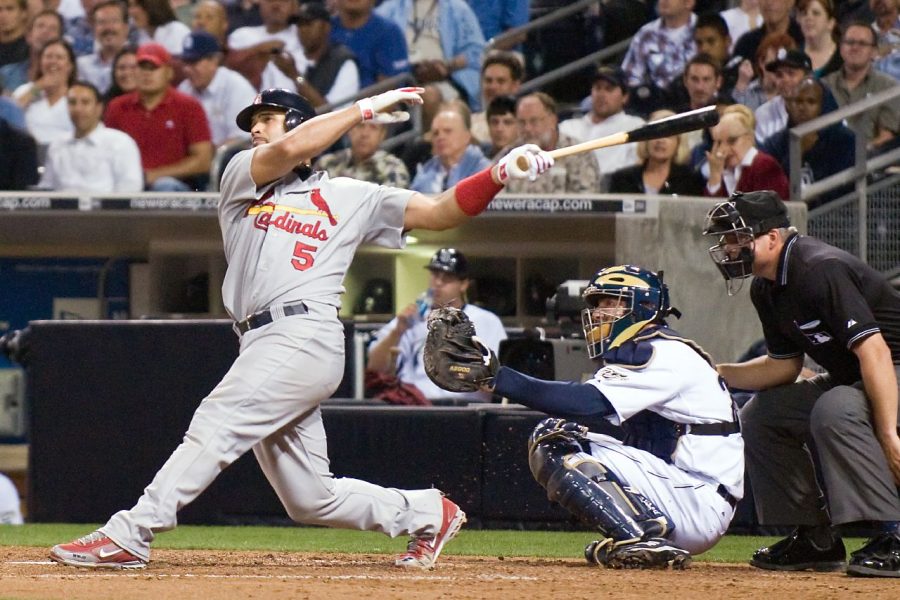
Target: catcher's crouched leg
(634,528)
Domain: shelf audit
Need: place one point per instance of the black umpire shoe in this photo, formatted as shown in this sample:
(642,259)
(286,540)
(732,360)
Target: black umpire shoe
(880,557)
(797,552)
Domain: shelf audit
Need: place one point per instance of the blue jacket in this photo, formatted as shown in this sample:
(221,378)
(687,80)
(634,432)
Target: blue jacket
(460,34)
(429,177)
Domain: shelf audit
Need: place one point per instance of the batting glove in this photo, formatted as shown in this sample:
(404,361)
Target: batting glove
(525,162)
(375,108)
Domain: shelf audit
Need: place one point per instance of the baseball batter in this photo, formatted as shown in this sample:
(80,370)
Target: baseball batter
(290,235)
(670,488)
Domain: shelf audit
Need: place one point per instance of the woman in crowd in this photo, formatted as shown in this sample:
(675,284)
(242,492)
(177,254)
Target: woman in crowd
(756,86)
(735,165)
(44,98)
(662,169)
(124,73)
(155,21)
(819,26)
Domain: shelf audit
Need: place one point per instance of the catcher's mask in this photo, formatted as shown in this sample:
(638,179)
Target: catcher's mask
(620,301)
(736,223)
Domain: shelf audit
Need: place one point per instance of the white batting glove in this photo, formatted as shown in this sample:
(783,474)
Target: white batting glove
(537,162)
(375,108)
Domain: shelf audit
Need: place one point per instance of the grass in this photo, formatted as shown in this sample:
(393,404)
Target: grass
(471,542)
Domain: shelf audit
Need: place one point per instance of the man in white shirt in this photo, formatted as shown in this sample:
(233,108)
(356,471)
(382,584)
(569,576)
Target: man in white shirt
(609,94)
(222,92)
(109,20)
(276,16)
(398,346)
(95,159)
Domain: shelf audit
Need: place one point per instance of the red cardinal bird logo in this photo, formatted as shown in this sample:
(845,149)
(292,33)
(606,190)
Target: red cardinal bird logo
(319,202)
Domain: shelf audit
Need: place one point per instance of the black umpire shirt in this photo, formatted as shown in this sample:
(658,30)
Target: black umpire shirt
(824,301)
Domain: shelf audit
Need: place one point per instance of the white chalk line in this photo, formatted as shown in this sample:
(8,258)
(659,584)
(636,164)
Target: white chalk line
(142,574)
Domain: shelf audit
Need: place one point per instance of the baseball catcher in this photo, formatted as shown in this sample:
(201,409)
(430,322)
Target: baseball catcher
(668,489)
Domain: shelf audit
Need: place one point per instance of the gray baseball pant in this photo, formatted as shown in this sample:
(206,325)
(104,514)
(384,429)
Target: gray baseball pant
(784,426)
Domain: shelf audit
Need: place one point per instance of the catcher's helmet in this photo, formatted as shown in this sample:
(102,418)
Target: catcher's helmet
(297,108)
(736,223)
(449,260)
(642,298)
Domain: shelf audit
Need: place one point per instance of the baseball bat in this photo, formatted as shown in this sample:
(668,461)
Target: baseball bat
(668,126)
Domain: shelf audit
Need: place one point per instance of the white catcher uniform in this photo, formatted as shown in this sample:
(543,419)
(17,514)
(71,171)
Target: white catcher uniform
(410,362)
(287,242)
(678,384)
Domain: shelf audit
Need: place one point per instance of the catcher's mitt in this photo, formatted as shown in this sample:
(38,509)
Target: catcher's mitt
(455,359)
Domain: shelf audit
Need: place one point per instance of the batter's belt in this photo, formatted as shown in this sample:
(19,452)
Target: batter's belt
(267,315)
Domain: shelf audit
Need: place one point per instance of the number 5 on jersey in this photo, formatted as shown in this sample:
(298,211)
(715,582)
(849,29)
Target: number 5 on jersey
(303,256)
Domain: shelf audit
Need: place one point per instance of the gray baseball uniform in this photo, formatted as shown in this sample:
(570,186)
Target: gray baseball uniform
(287,242)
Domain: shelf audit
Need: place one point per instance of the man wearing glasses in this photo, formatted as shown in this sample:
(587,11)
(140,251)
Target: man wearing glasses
(170,128)
(857,80)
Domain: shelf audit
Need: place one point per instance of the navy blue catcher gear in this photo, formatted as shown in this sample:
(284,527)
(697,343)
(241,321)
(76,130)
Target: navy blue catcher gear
(296,108)
(642,298)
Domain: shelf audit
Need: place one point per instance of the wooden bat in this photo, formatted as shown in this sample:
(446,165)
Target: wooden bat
(669,126)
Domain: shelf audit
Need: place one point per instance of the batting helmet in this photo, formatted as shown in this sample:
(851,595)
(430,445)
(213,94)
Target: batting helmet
(642,298)
(297,108)
(449,260)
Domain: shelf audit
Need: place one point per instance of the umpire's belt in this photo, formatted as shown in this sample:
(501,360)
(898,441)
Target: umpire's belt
(267,315)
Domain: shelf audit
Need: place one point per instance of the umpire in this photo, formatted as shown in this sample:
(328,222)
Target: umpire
(814,299)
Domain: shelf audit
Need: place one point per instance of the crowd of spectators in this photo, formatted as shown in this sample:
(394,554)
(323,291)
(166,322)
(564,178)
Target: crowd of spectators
(172,75)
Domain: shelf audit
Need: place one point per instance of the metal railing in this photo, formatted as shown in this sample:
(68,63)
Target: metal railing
(504,39)
(860,199)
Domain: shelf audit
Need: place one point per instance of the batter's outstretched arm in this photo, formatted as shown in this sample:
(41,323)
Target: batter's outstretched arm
(309,139)
(472,195)
(300,145)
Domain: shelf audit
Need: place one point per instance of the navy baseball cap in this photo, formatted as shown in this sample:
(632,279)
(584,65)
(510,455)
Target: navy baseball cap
(790,58)
(449,260)
(199,44)
(313,11)
(613,75)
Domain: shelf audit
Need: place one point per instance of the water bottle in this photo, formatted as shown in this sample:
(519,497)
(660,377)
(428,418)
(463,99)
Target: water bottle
(423,303)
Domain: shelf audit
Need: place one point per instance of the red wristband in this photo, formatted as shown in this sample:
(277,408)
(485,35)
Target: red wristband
(475,192)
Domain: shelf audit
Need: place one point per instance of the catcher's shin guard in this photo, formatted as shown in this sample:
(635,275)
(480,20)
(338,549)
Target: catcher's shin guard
(587,489)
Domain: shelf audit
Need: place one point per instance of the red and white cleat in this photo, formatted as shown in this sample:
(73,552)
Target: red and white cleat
(422,553)
(95,550)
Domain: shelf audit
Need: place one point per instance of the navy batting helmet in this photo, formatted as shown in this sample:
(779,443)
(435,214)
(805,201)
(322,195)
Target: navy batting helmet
(297,108)
(449,260)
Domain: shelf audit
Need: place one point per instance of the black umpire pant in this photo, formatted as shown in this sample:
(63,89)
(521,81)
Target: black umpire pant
(783,426)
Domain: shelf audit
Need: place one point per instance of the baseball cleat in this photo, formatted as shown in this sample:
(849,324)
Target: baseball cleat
(422,553)
(653,553)
(798,553)
(95,550)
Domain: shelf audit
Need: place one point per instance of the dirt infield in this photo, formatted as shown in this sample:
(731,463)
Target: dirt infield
(196,575)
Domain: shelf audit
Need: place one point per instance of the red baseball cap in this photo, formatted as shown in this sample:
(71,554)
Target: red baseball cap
(153,53)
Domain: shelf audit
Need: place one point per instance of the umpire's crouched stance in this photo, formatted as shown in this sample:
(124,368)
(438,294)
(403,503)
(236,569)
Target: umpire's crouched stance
(815,299)
(670,488)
